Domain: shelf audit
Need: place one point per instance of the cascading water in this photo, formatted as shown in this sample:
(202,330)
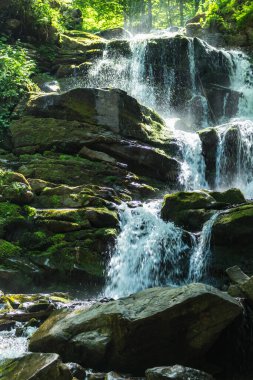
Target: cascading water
(202,252)
(168,74)
(234,159)
(148,252)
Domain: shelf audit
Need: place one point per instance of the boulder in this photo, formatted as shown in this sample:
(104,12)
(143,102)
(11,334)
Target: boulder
(109,108)
(232,239)
(114,33)
(191,210)
(177,372)
(209,139)
(14,188)
(35,366)
(146,329)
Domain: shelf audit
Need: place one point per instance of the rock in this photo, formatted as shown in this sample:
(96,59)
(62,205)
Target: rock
(236,275)
(97,376)
(14,188)
(35,366)
(109,108)
(188,209)
(191,210)
(77,371)
(116,33)
(98,127)
(94,155)
(143,330)
(231,240)
(229,197)
(176,372)
(194,29)
(209,139)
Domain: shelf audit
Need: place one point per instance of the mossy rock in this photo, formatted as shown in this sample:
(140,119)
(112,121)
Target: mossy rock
(39,366)
(230,197)
(181,201)
(234,227)
(14,188)
(11,215)
(191,210)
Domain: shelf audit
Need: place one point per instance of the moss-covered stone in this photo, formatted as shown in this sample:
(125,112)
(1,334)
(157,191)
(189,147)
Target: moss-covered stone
(191,210)
(11,215)
(39,366)
(14,188)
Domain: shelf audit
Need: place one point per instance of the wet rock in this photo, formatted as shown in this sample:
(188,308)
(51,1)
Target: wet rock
(210,140)
(188,209)
(191,210)
(14,188)
(231,241)
(39,366)
(109,108)
(116,33)
(77,371)
(236,275)
(145,329)
(176,372)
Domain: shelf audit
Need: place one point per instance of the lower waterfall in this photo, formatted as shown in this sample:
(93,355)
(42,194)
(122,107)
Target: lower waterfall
(150,252)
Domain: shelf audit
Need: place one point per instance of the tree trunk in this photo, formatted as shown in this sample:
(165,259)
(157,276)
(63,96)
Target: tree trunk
(197,5)
(150,15)
(181,11)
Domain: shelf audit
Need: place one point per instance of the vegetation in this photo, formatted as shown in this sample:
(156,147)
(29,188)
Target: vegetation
(15,70)
(230,15)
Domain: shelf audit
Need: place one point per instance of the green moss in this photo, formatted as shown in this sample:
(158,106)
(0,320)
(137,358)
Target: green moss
(8,250)
(10,214)
(237,216)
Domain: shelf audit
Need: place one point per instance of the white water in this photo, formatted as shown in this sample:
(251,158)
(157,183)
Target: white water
(11,346)
(202,252)
(148,251)
(240,159)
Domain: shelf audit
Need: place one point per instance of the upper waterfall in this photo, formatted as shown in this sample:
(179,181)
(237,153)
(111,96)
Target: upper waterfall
(177,76)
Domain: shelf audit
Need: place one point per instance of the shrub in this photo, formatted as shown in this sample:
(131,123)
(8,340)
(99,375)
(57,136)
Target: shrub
(15,71)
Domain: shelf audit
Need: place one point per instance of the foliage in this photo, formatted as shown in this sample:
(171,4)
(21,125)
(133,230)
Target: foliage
(231,15)
(38,19)
(136,15)
(15,71)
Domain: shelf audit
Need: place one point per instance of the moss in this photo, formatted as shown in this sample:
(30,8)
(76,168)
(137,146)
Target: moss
(231,196)
(14,187)
(176,202)
(10,214)
(8,250)
(237,216)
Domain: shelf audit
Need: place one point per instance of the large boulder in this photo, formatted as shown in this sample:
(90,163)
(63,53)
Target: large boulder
(91,123)
(109,108)
(146,329)
(35,366)
(191,210)
(232,239)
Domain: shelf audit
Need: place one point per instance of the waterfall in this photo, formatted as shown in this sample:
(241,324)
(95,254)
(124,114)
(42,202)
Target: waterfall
(149,252)
(193,167)
(234,159)
(202,252)
(169,74)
